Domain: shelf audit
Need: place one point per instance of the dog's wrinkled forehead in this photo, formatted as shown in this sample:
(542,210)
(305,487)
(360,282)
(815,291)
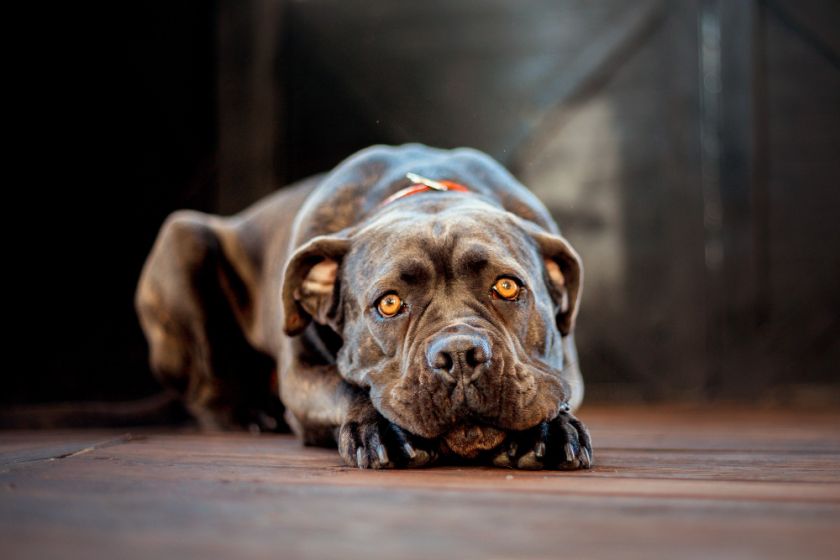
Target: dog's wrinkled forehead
(414,247)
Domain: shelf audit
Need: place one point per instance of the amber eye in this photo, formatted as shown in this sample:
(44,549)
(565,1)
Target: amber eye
(390,305)
(506,288)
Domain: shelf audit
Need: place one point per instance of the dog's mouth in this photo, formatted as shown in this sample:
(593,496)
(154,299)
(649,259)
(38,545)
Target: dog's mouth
(470,440)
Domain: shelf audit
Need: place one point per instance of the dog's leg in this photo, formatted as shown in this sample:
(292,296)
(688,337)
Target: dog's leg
(192,300)
(562,443)
(324,409)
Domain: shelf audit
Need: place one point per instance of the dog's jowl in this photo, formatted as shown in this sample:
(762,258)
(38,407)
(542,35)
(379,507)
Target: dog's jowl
(411,306)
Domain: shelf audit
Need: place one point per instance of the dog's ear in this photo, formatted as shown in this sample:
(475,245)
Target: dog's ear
(311,288)
(563,275)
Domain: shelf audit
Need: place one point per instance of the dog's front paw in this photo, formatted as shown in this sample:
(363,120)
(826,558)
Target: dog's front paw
(562,443)
(369,441)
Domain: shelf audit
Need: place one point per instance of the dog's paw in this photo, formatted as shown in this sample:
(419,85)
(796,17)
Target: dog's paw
(373,442)
(562,443)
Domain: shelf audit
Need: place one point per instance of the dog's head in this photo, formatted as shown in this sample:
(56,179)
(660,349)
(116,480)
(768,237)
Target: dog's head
(451,312)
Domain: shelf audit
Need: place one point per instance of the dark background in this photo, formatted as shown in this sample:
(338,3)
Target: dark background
(690,151)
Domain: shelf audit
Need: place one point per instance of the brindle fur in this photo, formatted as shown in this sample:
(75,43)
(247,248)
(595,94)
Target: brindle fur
(217,294)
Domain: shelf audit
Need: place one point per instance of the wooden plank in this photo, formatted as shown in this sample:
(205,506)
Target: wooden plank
(26,447)
(204,520)
(668,482)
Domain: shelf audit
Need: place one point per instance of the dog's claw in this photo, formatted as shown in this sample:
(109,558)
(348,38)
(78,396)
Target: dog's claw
(416,452)
(562,444)
(372,442)
(587,459)
(382,454)
(570,453)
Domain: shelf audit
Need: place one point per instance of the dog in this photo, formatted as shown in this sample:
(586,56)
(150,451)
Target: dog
(411,306)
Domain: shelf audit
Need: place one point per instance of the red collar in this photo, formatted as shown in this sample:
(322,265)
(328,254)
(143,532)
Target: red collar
(422,184)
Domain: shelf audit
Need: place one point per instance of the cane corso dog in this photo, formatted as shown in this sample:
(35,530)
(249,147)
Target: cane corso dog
(413,305)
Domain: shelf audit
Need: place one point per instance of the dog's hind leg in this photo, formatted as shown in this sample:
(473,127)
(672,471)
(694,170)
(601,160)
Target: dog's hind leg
(195,302)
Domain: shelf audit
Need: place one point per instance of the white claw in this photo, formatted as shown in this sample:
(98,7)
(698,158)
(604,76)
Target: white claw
(382,454)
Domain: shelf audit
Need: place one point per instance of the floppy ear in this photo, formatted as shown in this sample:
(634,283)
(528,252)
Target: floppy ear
(311,283)
(564,277)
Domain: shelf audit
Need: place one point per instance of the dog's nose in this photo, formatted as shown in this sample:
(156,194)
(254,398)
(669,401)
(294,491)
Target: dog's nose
(457,356)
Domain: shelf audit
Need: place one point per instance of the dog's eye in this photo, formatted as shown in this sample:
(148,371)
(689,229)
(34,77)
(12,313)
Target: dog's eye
(390,305)
(506,288)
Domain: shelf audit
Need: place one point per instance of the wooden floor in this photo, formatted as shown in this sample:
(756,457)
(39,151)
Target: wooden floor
(668,483)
